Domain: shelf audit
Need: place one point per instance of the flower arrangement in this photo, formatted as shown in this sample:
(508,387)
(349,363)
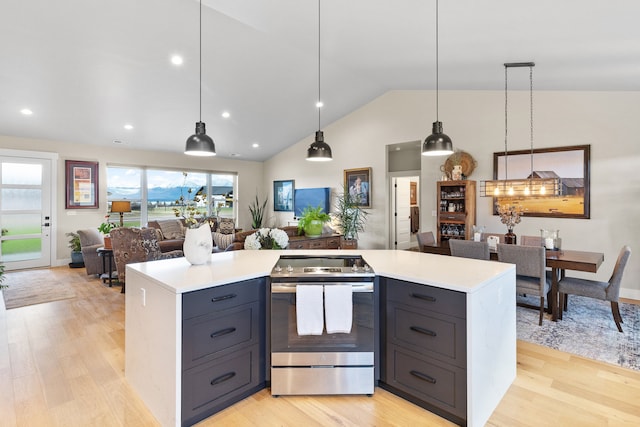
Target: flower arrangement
(509,215)
(267,238)
(186,207)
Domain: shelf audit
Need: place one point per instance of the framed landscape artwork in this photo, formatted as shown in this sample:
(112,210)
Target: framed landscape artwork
(569,166)
(358,183)
(283,195)
(81,184)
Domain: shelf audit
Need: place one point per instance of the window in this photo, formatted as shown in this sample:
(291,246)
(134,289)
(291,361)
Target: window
(155,193)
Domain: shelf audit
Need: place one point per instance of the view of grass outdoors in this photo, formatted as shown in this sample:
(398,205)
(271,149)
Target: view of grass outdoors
(163,192)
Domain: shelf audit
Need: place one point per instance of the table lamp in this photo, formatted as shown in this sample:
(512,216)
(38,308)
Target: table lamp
(121,206)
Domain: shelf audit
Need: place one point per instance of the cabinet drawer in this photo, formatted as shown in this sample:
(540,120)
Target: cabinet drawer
(212,386)
(218,298)
(436,383)
(204,336)
(318,243)
(333,242)
(299,244)
(431,334)
(426,297)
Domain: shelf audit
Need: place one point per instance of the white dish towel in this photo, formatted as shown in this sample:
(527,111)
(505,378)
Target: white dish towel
(338,308)
(309,313)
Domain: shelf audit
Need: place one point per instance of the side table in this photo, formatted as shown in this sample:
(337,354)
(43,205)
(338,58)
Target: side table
(107,272)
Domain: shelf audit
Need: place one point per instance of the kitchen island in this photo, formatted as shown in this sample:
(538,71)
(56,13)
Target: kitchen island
(155,313)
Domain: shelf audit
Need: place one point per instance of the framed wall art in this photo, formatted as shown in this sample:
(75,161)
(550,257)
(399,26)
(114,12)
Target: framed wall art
(283,195)
(358,183)
(568,166)
(81,184)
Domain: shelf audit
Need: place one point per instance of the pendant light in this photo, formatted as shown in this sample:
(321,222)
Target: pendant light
(319,151)
(438,143)
(532,185)
(200,144)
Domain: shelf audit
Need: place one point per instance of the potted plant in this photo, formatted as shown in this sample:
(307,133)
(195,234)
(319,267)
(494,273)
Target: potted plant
(349,218)
(105,228)
(312,220)
(76,248)
(2,277)
(257,212)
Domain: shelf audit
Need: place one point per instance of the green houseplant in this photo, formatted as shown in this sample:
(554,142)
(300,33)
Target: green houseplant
(312,220)
(76,248)
(257,212)
(349,218)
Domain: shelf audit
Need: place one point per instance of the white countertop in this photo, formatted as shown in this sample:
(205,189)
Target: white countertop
(458,274)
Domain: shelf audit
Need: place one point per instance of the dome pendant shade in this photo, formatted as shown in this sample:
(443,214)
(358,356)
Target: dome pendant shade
(200,144)
(438,143)
(319,151)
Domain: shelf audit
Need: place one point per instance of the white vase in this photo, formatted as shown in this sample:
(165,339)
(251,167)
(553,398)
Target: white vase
(456,173)
(198,244)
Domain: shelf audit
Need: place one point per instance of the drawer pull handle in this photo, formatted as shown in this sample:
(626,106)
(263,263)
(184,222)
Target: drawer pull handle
(423,331)
(424,377)
(223,297)
(223,332)
(223,378)
(424,297)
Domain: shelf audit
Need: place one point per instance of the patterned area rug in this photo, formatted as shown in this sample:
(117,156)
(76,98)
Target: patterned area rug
(27,288)
(587,329)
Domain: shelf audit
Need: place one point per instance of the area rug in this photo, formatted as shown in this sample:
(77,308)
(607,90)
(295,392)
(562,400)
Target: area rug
(27,288)
(587,329)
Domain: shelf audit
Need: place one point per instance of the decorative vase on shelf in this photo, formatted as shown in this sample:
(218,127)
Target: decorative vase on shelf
(510,238)
(198,244)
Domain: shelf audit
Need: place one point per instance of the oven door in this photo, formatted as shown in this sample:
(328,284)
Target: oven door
(284,335)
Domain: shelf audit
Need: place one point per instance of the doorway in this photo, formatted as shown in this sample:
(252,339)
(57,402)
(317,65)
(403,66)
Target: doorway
(405,211)
(26,201)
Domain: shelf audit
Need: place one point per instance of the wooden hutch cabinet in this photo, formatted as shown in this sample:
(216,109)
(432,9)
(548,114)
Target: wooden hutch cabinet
(456,209)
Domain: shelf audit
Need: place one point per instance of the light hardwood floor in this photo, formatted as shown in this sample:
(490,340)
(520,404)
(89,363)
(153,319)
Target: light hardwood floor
(62,364)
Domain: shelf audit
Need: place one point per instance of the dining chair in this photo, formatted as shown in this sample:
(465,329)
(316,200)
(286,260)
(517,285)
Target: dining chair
(425,238)
(469,249)
(531,275)
(606,291)
(531,240)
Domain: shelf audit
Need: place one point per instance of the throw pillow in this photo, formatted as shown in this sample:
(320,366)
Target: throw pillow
(172,229)
(222,240)
(226,226)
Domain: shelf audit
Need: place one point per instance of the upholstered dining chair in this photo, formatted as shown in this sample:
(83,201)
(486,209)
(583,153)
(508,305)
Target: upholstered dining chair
(606,291)
(425,238)
(132,245)
(531,240)
(469,249)
(531,275)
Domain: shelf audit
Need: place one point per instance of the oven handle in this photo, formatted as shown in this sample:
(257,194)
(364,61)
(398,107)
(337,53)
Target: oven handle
(290,288)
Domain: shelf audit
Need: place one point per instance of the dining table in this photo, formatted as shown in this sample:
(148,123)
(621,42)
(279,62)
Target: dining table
(558,260)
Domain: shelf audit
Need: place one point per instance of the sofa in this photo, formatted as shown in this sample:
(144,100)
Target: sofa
(171,233)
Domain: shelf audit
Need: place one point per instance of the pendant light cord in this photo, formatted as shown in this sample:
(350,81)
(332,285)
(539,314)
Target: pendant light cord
(201,60)
(531,113)
(319,100)
(505,123)
(437,76)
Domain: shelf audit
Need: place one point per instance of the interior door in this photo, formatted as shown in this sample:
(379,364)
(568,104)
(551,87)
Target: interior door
(25,212)
(403,213)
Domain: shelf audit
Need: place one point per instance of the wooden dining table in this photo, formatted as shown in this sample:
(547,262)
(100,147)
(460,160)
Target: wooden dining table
(558,261)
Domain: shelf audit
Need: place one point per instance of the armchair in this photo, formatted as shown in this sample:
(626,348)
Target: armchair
(131,245)
(90,240)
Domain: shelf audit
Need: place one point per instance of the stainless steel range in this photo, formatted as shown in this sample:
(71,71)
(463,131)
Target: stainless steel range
(322,325)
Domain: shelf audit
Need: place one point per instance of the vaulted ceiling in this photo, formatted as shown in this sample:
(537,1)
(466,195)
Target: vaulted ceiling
(88,67)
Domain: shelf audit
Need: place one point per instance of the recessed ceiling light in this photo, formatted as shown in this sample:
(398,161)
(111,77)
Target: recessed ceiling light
(235,155)
(128,126)
(117,141)
(226,114)
(26,111)
(176,60)
(319,104)
(255,145)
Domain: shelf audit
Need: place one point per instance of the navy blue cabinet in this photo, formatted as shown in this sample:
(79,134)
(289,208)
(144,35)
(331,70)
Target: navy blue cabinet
(223,347)
(424,347)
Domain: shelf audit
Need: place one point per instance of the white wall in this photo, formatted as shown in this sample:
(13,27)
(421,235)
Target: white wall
(65,220)
(475,122)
